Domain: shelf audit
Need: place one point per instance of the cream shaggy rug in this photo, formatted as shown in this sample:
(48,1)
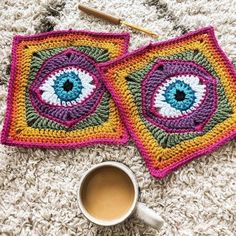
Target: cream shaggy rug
(38,188)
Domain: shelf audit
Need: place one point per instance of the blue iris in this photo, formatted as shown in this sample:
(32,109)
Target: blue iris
(68,86)
(180,95)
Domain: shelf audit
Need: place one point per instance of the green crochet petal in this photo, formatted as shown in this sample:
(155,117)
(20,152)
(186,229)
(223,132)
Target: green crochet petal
(171,139)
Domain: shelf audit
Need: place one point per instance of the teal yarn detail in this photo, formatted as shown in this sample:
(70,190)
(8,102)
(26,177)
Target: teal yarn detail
(165,139)
(68,86)
(101,115)
(180,95)
(98,54)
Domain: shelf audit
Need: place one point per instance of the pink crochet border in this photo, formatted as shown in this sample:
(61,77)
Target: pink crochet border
(16,40)
(163,172)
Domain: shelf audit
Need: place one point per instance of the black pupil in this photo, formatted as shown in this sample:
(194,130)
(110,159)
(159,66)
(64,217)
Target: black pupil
(68,86)
(180,95)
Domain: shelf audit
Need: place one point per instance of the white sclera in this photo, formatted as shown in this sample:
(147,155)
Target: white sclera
(48,91)
(165,109)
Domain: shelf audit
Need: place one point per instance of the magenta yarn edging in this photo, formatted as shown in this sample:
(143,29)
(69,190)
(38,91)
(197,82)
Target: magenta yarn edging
(165,171)
(124,140)
(7,119)
(9,92)
(124,35)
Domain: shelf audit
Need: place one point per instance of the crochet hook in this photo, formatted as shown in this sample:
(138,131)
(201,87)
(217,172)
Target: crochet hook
(114,19)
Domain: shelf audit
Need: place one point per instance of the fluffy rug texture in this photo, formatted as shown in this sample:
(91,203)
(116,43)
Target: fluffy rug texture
(38,188)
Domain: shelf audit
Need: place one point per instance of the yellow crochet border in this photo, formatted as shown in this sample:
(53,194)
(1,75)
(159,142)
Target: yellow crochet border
(159,158)
(19,127)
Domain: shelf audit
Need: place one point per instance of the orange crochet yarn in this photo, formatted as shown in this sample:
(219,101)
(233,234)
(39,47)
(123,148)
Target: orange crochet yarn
(56,96)
(177,98)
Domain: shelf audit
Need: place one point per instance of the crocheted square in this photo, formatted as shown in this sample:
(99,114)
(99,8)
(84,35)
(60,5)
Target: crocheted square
(177,98)
(56,97)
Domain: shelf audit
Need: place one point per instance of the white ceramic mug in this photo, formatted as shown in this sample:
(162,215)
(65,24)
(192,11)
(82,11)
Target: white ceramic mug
(140,210)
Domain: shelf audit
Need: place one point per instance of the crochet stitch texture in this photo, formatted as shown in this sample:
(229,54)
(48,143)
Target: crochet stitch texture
(56,97)
(177,98)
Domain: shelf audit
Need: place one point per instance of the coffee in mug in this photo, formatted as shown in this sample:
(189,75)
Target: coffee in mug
(107,193)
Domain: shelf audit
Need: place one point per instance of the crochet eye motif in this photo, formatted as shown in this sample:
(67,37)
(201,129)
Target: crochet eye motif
(69,94)
(67,87)
(178,95)
(56,97)
(177,98)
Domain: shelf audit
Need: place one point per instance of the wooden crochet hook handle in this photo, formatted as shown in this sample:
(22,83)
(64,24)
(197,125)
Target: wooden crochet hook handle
(113,19)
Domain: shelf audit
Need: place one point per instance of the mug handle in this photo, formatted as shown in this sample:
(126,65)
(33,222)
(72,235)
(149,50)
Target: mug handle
(148,216)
